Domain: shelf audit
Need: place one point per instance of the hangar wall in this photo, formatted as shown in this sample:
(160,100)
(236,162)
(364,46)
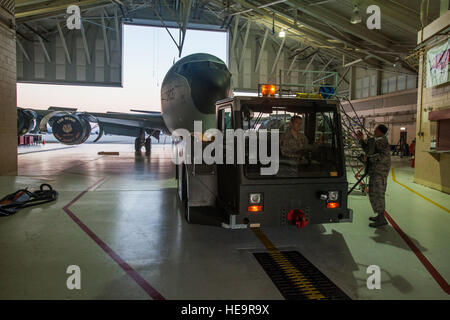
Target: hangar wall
(384,96)
(8,112)
(396,110)
(369,82)
(432,168)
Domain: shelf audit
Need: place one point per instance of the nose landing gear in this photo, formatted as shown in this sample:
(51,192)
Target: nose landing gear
(148,145)
(142,141)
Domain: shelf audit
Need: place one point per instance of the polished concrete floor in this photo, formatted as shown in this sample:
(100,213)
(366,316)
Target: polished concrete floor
(119,220)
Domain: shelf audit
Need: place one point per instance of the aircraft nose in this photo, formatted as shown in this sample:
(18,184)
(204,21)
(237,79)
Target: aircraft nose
(217,75)
(209,83)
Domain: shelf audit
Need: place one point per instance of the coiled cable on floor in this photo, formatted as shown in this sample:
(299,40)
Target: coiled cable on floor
(23,198)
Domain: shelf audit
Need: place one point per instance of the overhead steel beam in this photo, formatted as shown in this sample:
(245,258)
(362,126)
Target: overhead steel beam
(261,50)
(105,39)
(187,12)
(309,64)
(353,62)
(342,77)
(290,26)
(116,23)
(244,45)
(85,44)
(63,41)
(167,29)
(23,49)
(52,6)
(277,57)
(35,32)
(341,23)
(321,2)
(259,7)
(19,3)
(47,56)
(235,31)
(316,31)
(286,21)
(172,13)
(292,65)
(317,43)
(396,15)
(326,66)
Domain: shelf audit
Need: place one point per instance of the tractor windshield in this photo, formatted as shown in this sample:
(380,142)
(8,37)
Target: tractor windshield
(309,141)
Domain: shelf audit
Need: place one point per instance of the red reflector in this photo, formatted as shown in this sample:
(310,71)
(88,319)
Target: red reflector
(255,208)
(332,205)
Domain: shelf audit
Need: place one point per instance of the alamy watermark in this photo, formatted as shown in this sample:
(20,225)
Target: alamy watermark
(234,143)
(73,20)
(374,280)
(74,280)
(374,20)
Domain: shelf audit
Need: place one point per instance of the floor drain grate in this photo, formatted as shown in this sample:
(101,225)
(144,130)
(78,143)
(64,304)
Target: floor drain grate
(296,278)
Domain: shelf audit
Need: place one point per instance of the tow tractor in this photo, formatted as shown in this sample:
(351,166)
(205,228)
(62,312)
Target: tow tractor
(309,189)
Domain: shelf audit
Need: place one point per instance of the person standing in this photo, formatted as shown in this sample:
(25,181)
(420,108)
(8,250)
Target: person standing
(378,157)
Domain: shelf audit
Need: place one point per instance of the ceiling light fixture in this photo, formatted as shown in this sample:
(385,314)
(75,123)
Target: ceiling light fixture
(282,34)
(356,15)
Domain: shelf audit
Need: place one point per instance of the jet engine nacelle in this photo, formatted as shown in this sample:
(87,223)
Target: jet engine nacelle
(26,121)
(71,128)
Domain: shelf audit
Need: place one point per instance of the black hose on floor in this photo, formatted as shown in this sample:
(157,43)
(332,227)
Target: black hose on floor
(23,198)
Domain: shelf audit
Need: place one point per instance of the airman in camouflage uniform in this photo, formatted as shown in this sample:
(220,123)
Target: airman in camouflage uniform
(293,141)
(379,162)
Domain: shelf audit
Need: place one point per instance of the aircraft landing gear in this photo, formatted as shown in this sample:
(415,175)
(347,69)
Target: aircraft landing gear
(148,145)
(138,144)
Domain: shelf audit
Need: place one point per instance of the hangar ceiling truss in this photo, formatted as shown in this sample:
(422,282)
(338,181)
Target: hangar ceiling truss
(315,29)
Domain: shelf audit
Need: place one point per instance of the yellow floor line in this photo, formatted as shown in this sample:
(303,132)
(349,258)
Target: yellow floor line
(300,281)
(415,192)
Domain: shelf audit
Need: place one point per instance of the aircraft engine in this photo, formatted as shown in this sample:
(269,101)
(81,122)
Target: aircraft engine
(26,121)
(72,128)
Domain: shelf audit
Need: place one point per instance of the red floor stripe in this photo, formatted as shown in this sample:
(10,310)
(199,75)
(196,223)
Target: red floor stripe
(152,292)
(427,264)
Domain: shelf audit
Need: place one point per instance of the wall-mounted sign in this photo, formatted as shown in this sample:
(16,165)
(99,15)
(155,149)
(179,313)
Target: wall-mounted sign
(437,64)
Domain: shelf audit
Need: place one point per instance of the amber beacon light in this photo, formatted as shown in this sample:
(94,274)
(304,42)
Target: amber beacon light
(255,208)
(268,90)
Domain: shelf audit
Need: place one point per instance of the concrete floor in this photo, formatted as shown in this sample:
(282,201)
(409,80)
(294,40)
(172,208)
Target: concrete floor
(133,213)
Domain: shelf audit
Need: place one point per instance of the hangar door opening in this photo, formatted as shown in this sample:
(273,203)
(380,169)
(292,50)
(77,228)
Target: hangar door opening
(148,53)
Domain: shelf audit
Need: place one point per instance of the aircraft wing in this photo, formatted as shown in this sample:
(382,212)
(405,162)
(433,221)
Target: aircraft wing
(128,124)
(115,123)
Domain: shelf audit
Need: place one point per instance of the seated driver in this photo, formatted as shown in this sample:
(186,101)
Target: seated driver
(293,141)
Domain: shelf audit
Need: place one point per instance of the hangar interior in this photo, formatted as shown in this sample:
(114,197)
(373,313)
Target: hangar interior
(118,217)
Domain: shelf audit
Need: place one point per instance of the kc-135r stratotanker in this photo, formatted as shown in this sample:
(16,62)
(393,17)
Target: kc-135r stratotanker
(197,88)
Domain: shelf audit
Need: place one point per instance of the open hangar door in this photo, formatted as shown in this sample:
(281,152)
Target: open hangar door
(49,52)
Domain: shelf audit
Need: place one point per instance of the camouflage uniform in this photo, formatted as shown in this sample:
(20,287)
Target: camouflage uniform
(291,145)
(379,159)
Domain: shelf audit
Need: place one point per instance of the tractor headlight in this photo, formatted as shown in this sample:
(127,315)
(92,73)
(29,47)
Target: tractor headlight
(255,198)
(333,195)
